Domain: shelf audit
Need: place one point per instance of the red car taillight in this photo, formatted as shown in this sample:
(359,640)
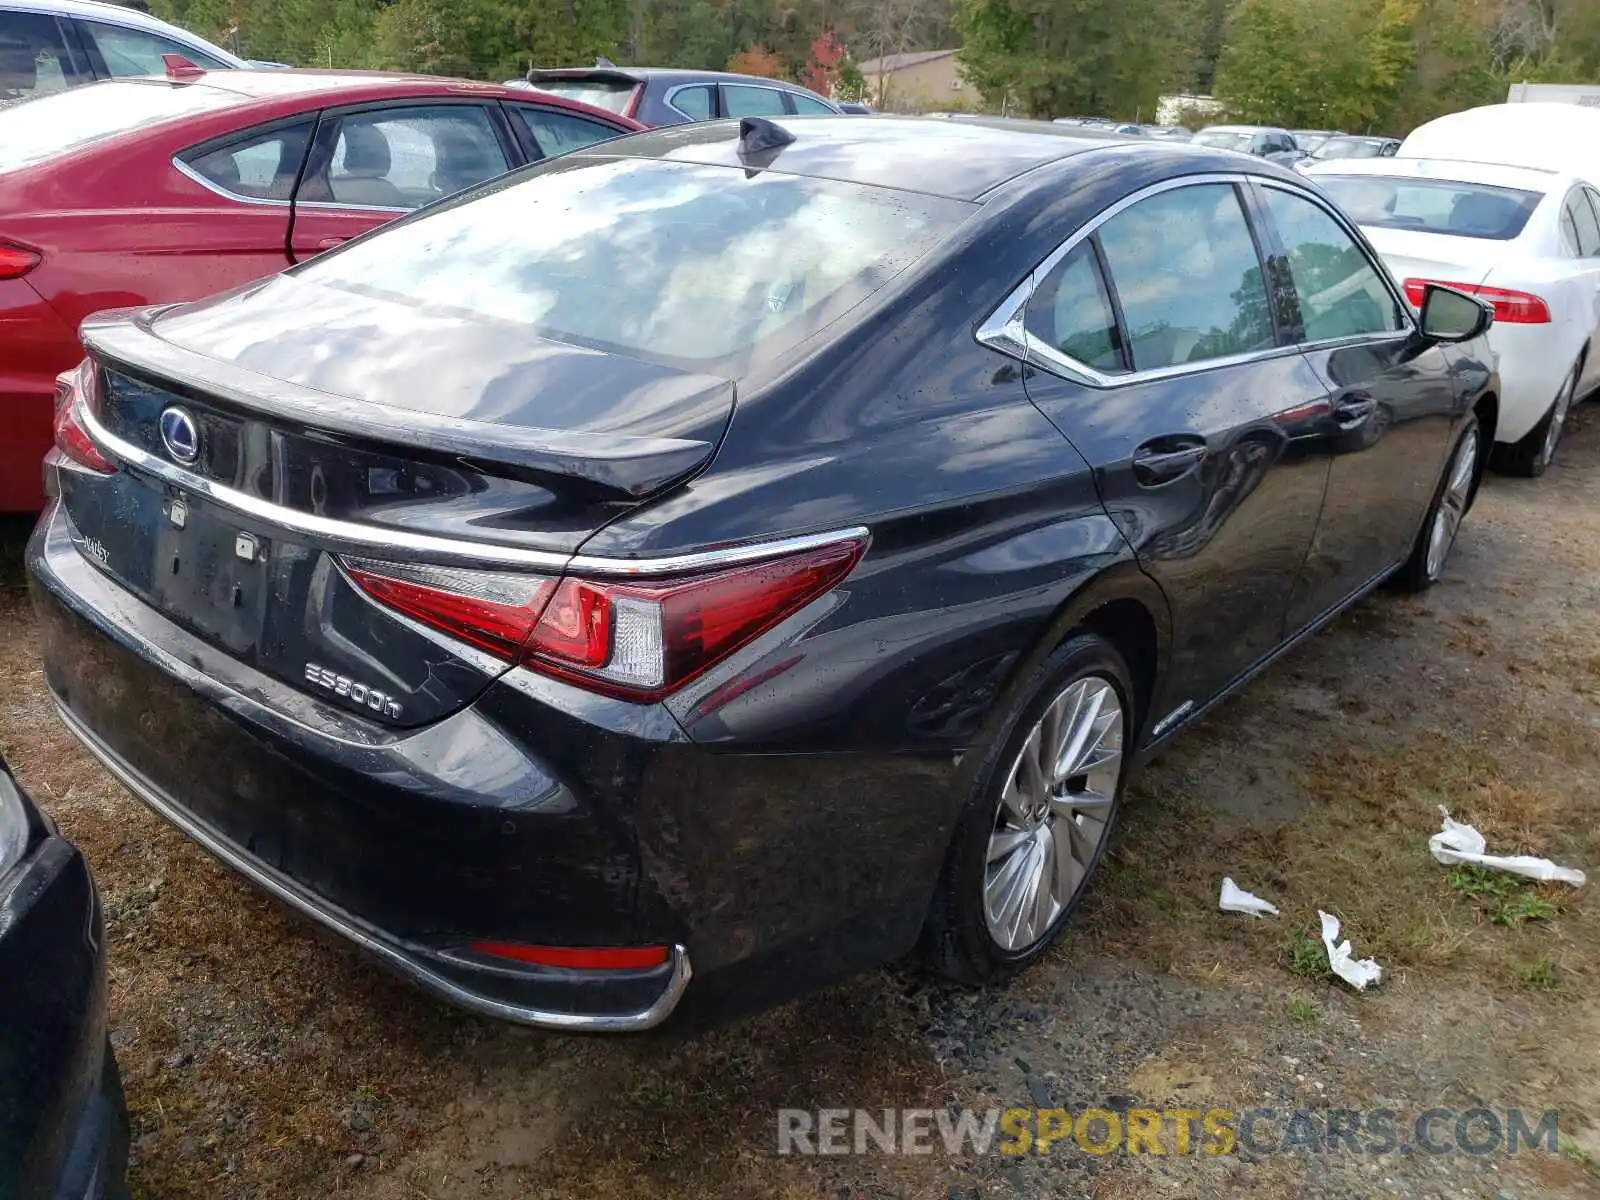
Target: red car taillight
(1510,308)
(16,261)
(75,390)
(638,640)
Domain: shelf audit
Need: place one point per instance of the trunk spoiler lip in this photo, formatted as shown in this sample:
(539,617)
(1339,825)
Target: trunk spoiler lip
(622,466)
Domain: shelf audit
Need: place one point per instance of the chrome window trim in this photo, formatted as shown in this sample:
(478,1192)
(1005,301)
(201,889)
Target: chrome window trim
(325,914)
(334,204)
(186,170)
(1004,330)
(1353,232)
(340,536)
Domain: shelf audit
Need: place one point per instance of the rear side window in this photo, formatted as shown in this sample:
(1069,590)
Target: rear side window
(1185,268)
(1070,311)
(1341,293)
(610,94)
(691,265)
(1579,228)
(34,60)
(739,100)
(405,157)
(70,120)
(138,51)
(1472,210)
(558,132)
(693,102)
(261,166)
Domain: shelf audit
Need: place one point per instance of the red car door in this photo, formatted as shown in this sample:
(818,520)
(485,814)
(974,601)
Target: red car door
(369,165)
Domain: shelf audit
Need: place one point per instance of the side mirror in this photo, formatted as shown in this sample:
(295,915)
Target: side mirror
(1452,316)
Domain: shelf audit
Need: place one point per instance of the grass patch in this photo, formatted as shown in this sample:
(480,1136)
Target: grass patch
(1303,1011)
(1307,957)
(1539,974)
(1504,899)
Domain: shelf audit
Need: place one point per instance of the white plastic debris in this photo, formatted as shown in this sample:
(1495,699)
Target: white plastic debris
(1236,900)
(1358,974)
(1458,843)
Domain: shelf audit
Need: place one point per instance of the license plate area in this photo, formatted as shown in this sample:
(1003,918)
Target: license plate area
(213,575)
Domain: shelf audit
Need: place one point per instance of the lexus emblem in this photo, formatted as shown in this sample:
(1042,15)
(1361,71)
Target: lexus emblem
(180,435)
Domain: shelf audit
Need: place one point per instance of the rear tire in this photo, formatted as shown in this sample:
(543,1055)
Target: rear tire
(1038,817)
(1535,452)
(1451,500)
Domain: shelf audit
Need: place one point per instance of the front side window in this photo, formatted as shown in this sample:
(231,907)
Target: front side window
(809,106)
(739,100)
(675,262)
(559,132)
(1185,269)
(139,52)
(407,157)
(1070,311)
(260,166)
(1341,293)
(34,60)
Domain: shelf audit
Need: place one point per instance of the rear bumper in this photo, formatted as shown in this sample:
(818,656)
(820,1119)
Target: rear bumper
(410,845)
(63,1121)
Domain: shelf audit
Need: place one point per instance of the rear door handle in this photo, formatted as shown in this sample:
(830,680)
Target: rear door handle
(1165,459)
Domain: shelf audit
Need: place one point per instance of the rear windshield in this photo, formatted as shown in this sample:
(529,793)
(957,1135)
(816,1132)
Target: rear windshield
(609,94)
(1350,148)
(38,129)
(1472,210)
(697,266)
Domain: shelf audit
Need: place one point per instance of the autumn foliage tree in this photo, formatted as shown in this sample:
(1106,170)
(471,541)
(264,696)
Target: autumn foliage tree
(757,60)
(822,64)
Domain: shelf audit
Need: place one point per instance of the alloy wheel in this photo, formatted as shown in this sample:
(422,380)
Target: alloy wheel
(1558,416)
(1054,813)
(1453,504)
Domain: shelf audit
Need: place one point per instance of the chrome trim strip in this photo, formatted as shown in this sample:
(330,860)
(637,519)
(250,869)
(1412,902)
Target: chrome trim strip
(1003,329)
(271,882)
(1172,718)
(189,172)
(351,536)
(336,205)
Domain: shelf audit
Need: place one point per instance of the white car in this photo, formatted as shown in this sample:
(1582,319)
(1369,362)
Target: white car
(1526,241)
(49,45)
(1553,137)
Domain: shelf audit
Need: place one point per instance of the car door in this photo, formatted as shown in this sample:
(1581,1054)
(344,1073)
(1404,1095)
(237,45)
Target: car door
(37,57)
(1158,355)
(1586,205)
(370,165)
(238,229)
(544,131)
(1392,402)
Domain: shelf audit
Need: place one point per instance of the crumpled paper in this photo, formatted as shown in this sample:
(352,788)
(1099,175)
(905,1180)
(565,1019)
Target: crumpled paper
(1236,900)
(1358,974)
(1458,843)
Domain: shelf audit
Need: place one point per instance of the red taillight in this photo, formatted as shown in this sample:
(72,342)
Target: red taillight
(16,261)
(1510,308)
(74,391)
(572,958)
(638,640)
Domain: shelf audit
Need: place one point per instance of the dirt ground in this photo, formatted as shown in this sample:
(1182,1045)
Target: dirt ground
(261,1060)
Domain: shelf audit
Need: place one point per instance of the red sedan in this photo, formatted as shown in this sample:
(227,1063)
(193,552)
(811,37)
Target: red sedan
(151,191)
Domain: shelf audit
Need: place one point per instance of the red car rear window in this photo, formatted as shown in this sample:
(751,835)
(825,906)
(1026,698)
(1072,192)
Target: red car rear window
(36,130)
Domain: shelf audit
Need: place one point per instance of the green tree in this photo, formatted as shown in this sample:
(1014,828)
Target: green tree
(1062,57)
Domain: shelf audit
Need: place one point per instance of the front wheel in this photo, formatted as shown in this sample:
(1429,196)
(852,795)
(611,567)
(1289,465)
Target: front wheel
(1451,500)
(1038,817)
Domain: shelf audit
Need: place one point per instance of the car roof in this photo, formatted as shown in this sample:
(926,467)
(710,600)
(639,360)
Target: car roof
(1526,179)
(116,14)
(274,82)
(675,74)
(1244,129)
(956,159)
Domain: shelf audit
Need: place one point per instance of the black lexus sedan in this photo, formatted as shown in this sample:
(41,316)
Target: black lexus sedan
(63,1123)
(748,548)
